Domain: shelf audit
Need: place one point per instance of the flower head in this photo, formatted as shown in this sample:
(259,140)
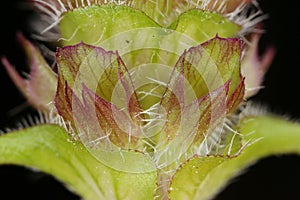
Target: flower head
(151,84)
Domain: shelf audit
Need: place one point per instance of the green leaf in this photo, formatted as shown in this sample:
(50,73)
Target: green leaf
(203,25)
(50,149)
(101,25)
(162,11)
(202,177)
(94,24)
(191,176)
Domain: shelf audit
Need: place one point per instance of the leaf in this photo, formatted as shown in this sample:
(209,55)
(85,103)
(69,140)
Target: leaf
(186,126)
(95,24)
(226,54)
(204,25)
(199,74)
(79,24)
(191,176)
(103,129)
(162,12)
(40,87)
(66,102)
(90,65)
(203,177)
(254,67)
(207,79)
(212,111)
(211,64)
(103,119)
(95,92)
(50,149)
(236,97)
(103,72)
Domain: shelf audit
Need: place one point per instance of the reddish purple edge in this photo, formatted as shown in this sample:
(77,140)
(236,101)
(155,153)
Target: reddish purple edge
(240,43)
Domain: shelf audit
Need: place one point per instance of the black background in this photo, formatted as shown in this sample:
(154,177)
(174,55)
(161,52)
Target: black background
(271,178)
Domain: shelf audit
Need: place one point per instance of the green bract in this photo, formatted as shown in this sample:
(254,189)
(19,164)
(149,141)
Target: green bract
(95,24)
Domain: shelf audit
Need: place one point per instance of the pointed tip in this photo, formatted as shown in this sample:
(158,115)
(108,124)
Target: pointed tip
(268,57)
(26,44)
(237,96)
(20,36)
(255,65)
(236,40)
(14,75)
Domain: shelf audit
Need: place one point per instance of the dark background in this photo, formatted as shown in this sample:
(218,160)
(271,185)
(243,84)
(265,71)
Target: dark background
(272,178)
